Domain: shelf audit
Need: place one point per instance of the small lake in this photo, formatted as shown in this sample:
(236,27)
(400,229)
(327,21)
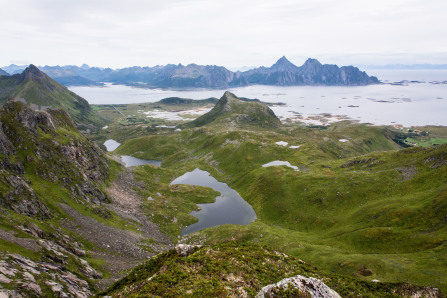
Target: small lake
(130,161)
(111,145)
(229,208)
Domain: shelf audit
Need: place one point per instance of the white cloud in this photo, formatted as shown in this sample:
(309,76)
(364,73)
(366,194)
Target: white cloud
(231,33)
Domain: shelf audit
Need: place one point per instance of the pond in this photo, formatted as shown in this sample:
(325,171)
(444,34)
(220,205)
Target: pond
(111,145)
(229,208)
(130,161)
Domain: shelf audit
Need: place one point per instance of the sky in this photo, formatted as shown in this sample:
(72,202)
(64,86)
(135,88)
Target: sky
(231,33)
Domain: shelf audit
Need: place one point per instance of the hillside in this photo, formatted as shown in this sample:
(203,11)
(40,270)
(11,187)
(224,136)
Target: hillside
(3,73)
(241,269)
(37,89)
(63,231)
(232,111)
(354,204)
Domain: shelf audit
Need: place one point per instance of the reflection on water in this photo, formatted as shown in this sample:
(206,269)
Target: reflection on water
(131,161)
(229,208)
(111,145)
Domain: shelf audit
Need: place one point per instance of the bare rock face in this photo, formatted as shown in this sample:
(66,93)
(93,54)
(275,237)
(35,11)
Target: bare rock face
(304,286)
(37,143)
(186,249)
(22,199)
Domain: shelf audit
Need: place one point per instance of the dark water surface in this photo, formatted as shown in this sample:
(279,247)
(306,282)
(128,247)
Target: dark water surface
(229,208)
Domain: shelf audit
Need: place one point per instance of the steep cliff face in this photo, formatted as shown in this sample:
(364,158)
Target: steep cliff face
(45,145)
(45,163)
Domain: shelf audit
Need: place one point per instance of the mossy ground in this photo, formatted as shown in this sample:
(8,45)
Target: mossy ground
(356,205)
(236,269)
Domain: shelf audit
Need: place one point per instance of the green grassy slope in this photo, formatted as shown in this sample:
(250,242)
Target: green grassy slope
(359,207)
(37,88)
(237,269)
(46,164)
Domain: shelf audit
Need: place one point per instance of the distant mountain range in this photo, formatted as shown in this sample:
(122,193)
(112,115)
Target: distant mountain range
(282,73)
(3,73)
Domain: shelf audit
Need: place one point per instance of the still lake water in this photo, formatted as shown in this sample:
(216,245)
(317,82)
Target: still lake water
(229,208)
(410,105)
(130,161)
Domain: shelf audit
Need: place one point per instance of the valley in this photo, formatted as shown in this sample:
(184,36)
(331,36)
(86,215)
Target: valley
(365,204)
(358,204)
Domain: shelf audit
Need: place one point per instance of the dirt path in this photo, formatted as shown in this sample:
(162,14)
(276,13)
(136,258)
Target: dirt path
(120,249)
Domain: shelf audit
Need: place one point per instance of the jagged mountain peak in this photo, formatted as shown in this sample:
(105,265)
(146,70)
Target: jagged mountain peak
(283,64)
(32,69)
(312,62)
(32,73)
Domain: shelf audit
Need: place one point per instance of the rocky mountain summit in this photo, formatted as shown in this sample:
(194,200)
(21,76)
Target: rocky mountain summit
(312,72)
(233,111)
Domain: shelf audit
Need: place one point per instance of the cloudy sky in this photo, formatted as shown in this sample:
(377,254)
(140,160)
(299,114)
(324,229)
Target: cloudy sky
(232,33)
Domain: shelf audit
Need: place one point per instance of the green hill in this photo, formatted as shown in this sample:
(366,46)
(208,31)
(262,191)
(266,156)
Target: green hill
(40,91)
(356,206)
(240,269)
(232,111)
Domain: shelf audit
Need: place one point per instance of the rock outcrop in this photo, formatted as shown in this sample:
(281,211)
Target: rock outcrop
(37,143)
(298,286)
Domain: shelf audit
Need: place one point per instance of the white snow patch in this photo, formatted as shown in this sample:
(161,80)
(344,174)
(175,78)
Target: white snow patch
(343,140)
(295,147)
(280,163)
(282,143)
